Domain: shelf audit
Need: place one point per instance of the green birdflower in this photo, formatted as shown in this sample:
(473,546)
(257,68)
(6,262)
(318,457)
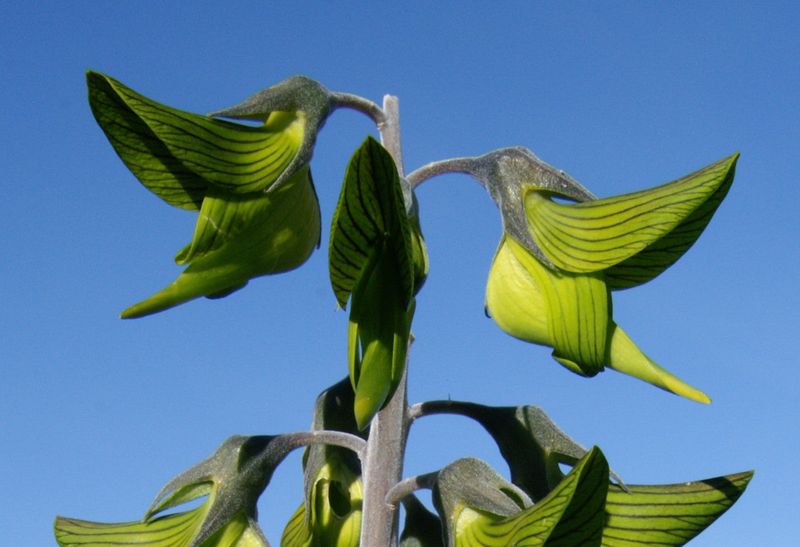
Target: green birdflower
(231,480)
(331,511)
(258,212)
(551,279)
(377,261)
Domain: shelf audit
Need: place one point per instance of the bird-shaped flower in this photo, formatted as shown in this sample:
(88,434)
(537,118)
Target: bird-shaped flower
(378,262)
(551,279)
(251,184)
(332,507)
(232,479)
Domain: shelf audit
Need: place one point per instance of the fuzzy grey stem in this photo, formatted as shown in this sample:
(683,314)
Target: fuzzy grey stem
(382,467)
(365,106)
(389,128)
(335,438)
(427,408)
(453,165)
(409,485)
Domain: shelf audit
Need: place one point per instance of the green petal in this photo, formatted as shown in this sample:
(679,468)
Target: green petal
(170,530)
(669,514)
(578,313)
(370,212)
(239,237)
(595,235)
(173,530)
(236,157)
(140,148)
(626,357)
(513,298)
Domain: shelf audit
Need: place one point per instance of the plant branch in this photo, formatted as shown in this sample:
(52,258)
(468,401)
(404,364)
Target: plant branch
(452,165)
(427,408)
(335,438)
(365,106)
(409,485)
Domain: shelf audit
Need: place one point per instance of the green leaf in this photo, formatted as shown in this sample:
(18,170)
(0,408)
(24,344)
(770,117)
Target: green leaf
(177,154)
(372,263)
(669,514)
(596,235)
(231,479)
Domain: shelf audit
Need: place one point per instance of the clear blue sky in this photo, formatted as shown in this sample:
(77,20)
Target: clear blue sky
(97,413)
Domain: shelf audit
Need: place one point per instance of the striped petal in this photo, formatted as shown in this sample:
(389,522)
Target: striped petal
(139,147)
(232,156)
(596,235)
(173,530)
(578,313)
(671,514)
(370,212)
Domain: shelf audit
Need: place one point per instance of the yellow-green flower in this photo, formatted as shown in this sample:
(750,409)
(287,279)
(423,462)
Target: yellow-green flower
(231,480)
(378,262)
(550,282)
(330,514)
(258,212)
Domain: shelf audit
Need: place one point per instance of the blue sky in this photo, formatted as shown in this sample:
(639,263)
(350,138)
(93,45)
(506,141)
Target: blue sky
(97,413)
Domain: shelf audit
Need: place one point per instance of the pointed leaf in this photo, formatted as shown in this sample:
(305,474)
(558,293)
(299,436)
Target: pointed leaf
(670,514)
(595,235)
(238,158)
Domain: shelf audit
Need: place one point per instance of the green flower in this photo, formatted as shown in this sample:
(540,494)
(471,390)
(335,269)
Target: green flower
(377,261)
(251,184)
(231,480)
(330,514)
(551,279)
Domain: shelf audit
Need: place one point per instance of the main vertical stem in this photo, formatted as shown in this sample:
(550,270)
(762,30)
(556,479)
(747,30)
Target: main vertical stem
(382,466)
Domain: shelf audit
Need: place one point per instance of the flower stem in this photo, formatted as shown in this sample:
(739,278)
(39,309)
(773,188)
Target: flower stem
(382,467)
(365,106)
(452,165)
